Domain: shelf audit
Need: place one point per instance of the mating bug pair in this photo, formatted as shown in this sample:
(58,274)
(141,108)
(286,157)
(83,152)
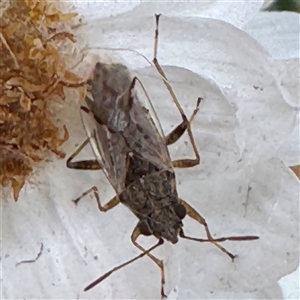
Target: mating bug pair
(131,149)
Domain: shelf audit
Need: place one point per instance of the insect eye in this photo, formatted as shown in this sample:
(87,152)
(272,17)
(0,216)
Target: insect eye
(144,228)
(180,210)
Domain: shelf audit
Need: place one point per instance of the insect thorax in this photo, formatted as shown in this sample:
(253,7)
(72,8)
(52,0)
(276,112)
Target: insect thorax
(151,195)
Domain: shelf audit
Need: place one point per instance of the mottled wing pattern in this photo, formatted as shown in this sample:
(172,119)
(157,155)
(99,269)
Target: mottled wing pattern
(108,149)
(123,120)
(144,133)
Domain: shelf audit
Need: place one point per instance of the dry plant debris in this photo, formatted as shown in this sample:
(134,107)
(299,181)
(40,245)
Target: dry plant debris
(33,75)
(296,170)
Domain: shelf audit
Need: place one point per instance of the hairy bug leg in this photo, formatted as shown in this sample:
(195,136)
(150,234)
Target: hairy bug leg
(186,124)
(174,136)
(107,274)
(84,164)
(109,205)
(138,230)
(192,213)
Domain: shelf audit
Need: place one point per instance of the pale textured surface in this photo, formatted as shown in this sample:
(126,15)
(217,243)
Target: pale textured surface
(278,33)
(290,286)
(289,151)
(244,120)
(236,13)
(267,3)
(94,9)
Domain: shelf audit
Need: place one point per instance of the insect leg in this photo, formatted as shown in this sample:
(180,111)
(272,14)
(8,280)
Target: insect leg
(109,205)
(107,274)
(192,213)
(177,133)
(84,164)
(186,124)
(135,234)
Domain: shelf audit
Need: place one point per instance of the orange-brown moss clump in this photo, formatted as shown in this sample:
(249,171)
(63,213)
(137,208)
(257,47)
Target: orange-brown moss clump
(33,74)
(296,170)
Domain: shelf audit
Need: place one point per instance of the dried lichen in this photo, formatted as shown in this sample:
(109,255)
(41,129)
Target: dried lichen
(32,77)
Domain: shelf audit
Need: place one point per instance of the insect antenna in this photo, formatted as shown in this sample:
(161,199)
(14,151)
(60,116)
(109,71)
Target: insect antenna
(222,239)
(107,274)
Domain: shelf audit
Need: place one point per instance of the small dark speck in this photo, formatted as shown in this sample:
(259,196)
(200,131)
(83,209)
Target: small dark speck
(53,283)
(257,87)
(139,128)
(85,248)
(252,117)
(219,153)
(76,145)
(95,257)
(288,253)
(211,292)
(6,255)
(48,250)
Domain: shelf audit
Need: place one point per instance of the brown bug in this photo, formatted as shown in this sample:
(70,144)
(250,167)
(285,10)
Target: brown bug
(131,149)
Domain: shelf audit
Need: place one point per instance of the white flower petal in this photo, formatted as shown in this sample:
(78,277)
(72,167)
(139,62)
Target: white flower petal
(287,73)
(290,285)
(237,13)
(94,9)
(267,210)
(270,292)
(289,151)
(288,82)
(277,32)
(267,3)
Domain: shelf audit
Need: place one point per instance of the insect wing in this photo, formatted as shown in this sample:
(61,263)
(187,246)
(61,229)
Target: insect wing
(108,149)
(145,130)
(145,101)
